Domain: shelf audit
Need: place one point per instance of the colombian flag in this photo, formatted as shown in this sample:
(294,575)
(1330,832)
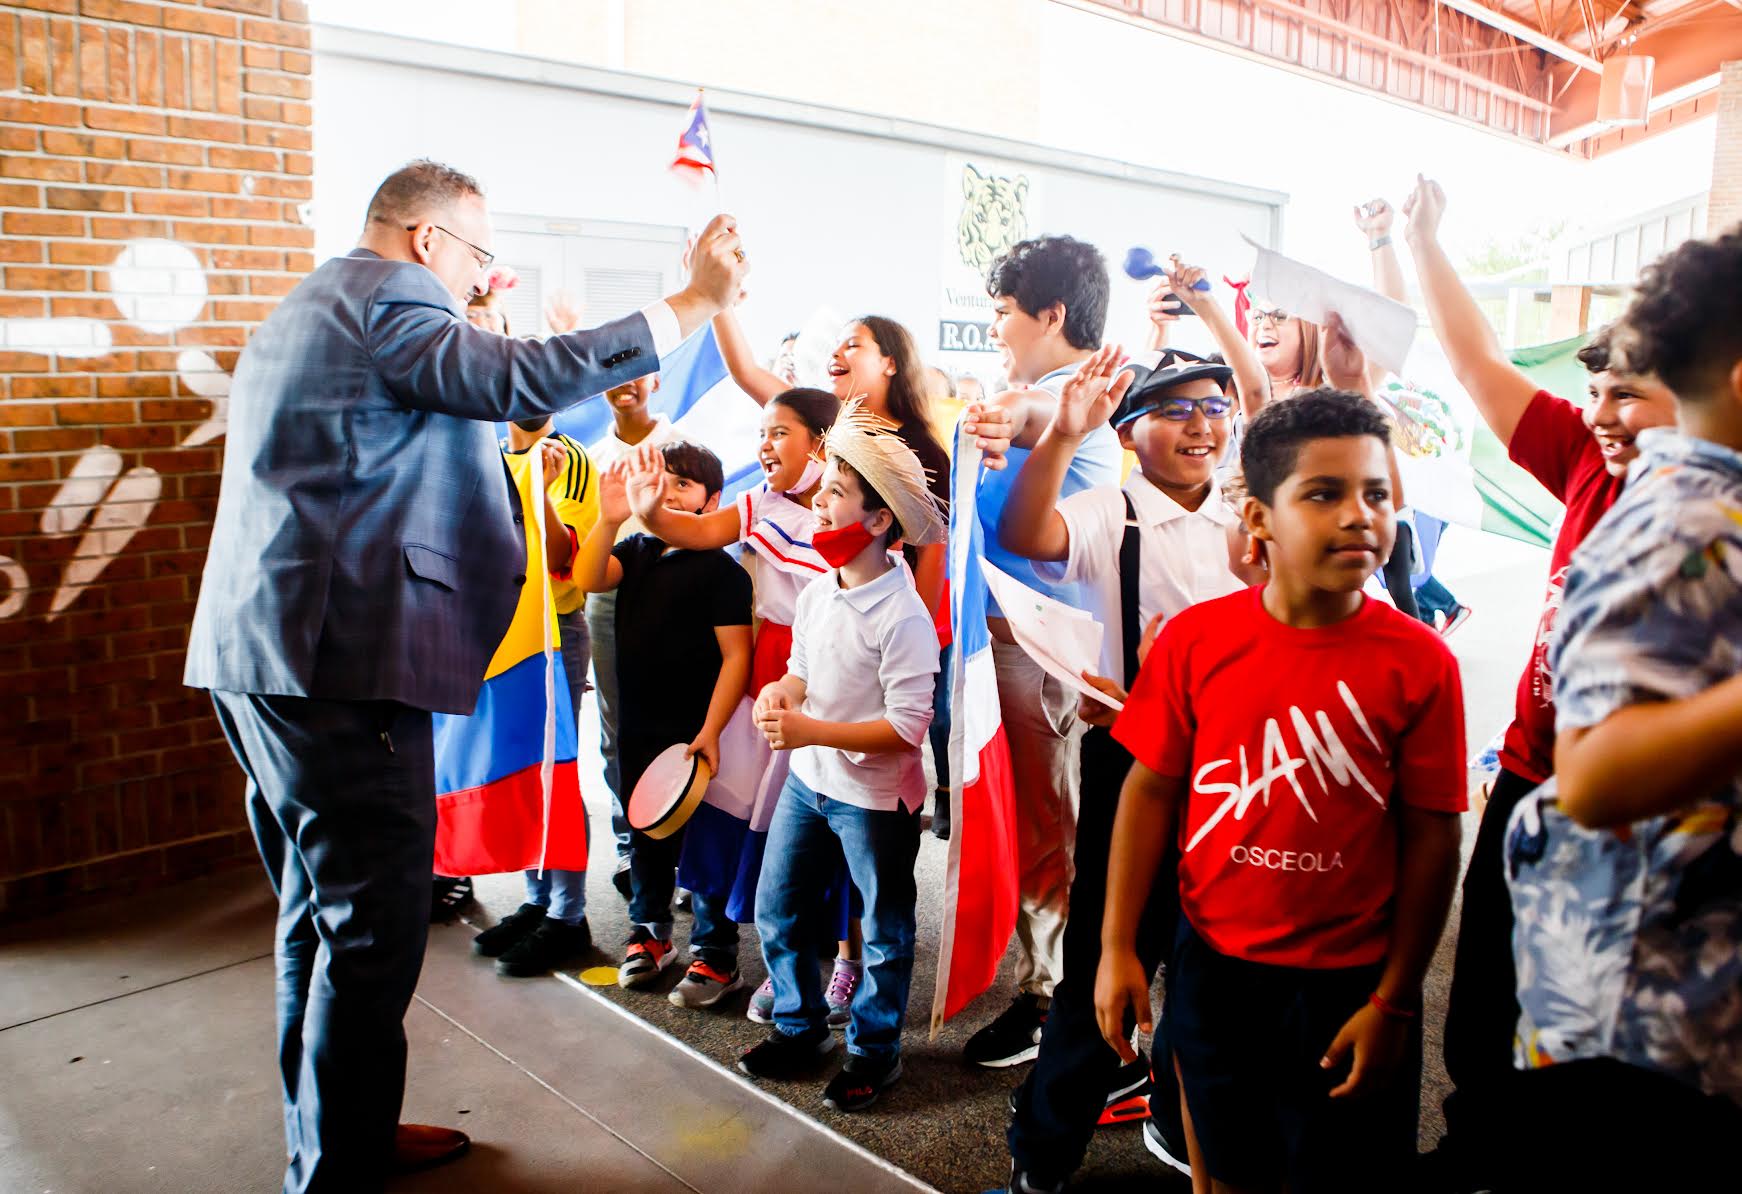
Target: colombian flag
(491,814)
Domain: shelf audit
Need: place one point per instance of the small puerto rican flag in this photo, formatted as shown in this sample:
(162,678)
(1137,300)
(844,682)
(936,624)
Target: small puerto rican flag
(695,148)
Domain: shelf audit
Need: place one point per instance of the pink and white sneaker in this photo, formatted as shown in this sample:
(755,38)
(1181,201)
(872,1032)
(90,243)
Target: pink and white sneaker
(842,983)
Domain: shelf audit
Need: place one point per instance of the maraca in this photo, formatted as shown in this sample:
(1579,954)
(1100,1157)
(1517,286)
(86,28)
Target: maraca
(1140,264)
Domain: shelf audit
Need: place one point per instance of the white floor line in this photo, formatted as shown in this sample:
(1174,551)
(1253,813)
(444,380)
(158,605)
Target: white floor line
(772,1100)
(603,1126)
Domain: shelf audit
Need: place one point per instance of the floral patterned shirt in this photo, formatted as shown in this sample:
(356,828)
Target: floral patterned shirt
(1629,941)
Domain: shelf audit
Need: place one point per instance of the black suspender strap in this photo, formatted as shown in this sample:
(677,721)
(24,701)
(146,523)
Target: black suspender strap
(1130,566)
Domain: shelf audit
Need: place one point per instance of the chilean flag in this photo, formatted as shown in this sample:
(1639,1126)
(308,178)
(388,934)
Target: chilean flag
(980,884)
(695,148)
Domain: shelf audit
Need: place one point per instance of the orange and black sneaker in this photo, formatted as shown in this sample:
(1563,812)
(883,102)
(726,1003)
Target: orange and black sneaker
(1128,1099)
(704,985)
(646,956)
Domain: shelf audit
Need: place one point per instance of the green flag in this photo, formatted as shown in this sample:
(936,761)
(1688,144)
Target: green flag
(1514,504)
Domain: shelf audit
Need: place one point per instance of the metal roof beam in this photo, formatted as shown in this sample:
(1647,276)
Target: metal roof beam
(1524,33)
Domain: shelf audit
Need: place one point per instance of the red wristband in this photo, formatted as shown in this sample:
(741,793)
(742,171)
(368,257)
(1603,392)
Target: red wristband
(1387,1008)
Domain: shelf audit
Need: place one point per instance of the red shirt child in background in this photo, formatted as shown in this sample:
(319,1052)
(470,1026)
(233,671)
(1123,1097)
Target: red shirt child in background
(1581,457)
(1553,444)
(1305,746)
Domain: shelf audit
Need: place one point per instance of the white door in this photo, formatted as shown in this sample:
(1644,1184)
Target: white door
(611,269)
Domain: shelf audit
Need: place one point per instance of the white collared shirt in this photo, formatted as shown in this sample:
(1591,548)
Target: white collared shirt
(663,328)
(1183,556)
(865,653)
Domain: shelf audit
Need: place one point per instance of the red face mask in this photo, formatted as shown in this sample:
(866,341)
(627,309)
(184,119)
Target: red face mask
(839,545)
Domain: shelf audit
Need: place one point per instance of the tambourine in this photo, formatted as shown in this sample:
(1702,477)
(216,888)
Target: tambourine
(668,792)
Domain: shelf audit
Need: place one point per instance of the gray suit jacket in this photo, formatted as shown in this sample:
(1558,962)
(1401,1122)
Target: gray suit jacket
(368,544)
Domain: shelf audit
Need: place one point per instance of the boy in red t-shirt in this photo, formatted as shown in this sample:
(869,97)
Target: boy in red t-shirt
(1581,457)
(1304,745)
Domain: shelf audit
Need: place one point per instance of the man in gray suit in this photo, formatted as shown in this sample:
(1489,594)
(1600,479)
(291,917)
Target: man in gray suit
(367,556)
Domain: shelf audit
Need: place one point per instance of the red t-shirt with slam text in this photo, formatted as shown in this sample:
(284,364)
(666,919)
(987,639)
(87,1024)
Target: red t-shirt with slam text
(1295,745)
(1553,445)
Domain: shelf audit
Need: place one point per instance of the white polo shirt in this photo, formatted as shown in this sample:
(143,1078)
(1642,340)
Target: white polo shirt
(865,653)
(1183,555)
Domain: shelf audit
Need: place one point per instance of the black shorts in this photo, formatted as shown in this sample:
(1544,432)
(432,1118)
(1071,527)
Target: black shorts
(1248,1038)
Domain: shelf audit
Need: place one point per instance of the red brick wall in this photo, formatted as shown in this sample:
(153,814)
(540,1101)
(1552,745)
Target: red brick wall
(185,126)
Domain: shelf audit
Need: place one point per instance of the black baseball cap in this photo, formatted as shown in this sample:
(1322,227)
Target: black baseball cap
(1152,385)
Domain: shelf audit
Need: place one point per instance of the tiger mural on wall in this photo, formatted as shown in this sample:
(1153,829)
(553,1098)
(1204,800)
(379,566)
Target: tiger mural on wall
(994,217)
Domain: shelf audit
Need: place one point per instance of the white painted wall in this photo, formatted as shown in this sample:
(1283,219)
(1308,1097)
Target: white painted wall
(852,221)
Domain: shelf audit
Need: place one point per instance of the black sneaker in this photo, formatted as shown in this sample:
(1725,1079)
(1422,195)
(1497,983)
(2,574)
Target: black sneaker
(621,881)
(1011,1039)
(786,1056)
(860,1081)
(1029,1181)
(447,896)
(1128,1097)
(940,815)
(496,940)
(551,945)
(1169,1152)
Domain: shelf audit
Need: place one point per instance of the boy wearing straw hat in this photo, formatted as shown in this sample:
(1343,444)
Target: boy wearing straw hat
(853,709)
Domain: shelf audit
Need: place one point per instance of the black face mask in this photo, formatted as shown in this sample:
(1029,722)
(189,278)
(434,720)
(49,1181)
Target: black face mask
(531,424)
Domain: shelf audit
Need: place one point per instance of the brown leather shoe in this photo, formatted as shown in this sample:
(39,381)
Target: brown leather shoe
(421,1146)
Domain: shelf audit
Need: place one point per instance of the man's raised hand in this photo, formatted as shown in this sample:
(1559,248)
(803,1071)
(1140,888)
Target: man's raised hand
(717,263)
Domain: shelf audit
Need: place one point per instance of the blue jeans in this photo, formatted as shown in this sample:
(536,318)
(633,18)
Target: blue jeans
(562,894)
(1432,596)
(601,623)
(940,722)
(797,867)
(653,880)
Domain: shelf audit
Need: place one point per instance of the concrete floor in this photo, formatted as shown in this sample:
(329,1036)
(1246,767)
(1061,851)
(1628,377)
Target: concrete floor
(137,1048)
(136,1042)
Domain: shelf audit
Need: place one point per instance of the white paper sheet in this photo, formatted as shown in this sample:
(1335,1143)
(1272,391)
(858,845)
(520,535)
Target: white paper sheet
(1064,641)
(1382,328)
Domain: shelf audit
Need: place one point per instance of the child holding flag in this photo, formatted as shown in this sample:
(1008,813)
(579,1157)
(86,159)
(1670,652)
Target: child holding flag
(492,815)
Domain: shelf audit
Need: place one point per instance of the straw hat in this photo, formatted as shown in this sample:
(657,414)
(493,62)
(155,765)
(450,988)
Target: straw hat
(882,458)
